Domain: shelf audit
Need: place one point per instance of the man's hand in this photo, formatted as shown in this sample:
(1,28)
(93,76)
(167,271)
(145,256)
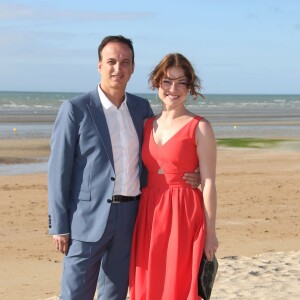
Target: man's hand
(193,179)
(62,242)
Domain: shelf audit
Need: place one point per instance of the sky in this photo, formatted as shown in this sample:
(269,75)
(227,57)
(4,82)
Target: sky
(235,46)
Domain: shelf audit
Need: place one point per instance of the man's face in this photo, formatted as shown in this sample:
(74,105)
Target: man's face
(115,66)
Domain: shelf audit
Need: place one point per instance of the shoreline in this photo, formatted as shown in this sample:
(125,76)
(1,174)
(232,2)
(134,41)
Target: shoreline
(242,119)
(15,151)
(28,150)
(225,124)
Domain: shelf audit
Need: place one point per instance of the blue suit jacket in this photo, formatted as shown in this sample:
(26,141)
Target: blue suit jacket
(81,168)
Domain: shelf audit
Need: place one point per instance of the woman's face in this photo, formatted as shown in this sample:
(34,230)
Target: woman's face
(173,88)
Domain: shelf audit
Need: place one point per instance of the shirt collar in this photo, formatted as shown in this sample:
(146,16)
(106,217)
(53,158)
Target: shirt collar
(106,103)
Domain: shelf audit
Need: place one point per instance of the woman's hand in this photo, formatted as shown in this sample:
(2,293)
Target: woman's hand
(211,245)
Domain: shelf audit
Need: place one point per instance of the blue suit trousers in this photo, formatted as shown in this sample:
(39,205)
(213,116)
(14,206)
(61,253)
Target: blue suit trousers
(109,257)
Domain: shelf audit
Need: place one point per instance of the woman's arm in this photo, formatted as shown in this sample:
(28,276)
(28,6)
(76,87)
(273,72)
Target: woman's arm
(207,155)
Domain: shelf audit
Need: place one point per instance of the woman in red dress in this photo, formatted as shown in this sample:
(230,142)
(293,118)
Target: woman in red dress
(175,222)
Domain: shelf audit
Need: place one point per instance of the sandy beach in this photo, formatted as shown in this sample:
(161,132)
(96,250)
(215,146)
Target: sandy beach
(258,224)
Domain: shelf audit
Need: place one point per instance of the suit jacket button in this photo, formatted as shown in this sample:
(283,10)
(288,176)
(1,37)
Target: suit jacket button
(112,178)
(109,201)
(50,226)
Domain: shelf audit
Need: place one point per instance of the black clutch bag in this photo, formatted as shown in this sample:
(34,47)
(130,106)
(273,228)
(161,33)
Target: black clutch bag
(206,277)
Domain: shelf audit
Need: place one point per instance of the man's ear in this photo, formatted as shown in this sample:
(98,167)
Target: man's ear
(99,66)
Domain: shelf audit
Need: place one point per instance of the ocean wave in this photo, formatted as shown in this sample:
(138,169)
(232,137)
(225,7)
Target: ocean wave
(43,106)
(14,106)
(279,100)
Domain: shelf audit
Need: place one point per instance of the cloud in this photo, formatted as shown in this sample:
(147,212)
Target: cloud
(297,26)
(44,47)
(13,11)
(17,12)
(252,16)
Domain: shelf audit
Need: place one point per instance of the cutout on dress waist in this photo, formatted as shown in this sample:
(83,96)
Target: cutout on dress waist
(160,171)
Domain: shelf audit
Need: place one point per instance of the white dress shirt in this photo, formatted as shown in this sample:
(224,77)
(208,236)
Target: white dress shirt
(125,146)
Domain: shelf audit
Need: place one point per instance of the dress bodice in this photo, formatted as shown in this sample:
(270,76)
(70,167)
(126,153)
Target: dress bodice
(167,163)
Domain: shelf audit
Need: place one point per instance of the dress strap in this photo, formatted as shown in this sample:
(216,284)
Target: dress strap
(193,126)
(149,121)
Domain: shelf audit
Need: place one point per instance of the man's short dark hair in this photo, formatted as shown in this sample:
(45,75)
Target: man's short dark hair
(117,39)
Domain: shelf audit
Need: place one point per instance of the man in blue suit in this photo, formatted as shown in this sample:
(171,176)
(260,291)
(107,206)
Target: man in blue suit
(95,178)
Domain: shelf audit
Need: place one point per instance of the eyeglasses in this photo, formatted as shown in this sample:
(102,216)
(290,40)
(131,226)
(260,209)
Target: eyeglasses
(167,83)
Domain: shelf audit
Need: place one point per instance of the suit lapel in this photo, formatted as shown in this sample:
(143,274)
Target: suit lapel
(97,114)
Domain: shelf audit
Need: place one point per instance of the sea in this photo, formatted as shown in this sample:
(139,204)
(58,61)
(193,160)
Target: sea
(32,114)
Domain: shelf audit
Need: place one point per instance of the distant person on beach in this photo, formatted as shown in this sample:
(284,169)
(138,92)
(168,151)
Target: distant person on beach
(95,178)
(175,222)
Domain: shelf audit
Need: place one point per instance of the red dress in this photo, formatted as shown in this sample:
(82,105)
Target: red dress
(169,233)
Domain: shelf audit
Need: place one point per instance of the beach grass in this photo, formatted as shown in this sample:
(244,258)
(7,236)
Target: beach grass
(249,142)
